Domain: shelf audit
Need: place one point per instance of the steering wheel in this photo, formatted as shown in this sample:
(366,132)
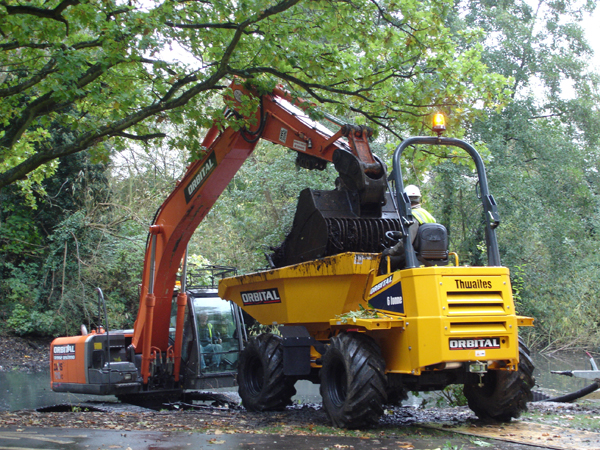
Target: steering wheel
(394,235)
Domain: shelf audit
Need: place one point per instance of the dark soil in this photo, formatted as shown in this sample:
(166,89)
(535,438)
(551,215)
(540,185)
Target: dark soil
(307,419)
(24,355)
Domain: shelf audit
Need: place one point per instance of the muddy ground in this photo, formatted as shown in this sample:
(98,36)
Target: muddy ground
(17,354)
(24,355)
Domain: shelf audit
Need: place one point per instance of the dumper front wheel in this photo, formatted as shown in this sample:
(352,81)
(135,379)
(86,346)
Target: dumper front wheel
(503,394)
(263,386)
(353,381)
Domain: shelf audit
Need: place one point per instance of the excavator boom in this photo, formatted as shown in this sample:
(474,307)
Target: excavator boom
(277,121)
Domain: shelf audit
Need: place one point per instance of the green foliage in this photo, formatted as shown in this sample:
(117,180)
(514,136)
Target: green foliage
(451,395)
(256,210)
(517,281)
(362,313)
(107,73)
(55,255)
(542,167)
(26,322)
(257,328)
(450,446)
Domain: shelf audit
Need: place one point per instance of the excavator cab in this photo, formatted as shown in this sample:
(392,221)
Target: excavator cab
(213,332)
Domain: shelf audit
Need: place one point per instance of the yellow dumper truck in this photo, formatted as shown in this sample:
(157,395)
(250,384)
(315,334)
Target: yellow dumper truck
(369,329)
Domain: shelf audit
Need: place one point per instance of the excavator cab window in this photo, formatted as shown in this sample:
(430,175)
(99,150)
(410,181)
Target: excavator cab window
(219,344)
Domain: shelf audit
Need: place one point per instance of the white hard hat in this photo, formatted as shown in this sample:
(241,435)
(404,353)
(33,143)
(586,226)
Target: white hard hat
(412,191)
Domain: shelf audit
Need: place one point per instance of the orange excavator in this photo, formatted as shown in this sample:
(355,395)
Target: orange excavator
(163,354)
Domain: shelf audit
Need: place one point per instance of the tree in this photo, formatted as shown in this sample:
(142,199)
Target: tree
(543,164)
(44,250)
(109,72)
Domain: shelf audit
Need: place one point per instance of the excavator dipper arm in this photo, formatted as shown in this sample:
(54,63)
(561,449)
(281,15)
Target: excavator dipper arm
(278,121)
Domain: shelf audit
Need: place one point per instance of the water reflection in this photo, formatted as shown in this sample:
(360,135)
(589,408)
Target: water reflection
(559,384)
(32,390)
(29,391)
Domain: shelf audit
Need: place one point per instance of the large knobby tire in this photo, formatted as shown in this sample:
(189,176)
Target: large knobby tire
(504,394)
(262,384)
(353,381)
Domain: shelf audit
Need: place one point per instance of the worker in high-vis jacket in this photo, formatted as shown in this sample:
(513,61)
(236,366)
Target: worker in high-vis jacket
(419,213)
(210,343)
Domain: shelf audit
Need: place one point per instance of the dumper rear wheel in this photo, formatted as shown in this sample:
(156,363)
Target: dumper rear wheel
(504,394)
(263,386)
(353,381)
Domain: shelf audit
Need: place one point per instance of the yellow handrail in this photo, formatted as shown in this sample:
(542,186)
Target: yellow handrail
(455,257)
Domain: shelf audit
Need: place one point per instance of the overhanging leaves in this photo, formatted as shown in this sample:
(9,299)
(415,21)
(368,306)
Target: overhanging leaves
(109,71)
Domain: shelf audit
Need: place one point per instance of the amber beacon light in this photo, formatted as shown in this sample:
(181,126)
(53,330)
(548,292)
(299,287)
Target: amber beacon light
(439,123)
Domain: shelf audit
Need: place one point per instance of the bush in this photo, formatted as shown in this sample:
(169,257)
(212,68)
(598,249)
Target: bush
(23,322)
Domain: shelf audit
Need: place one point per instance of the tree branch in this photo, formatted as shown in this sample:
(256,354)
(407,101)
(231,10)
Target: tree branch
(43,73)
(201,26)
(44,105)
(90,138)
(145,137)
(309,87)
(546,116)
(53,14)
(15,44)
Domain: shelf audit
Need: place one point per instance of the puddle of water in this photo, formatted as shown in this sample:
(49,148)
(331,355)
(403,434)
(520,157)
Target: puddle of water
(32,390)
(559,384)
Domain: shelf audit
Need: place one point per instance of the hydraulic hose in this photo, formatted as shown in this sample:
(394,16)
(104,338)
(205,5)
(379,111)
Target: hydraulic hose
(572,396)
(255,135)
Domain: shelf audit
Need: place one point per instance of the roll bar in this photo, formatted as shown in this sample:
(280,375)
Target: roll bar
(492,218)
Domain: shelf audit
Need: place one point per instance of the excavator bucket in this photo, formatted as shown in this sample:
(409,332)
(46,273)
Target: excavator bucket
(330,222)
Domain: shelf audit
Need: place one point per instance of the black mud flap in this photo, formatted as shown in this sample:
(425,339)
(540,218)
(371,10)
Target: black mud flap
(296,350)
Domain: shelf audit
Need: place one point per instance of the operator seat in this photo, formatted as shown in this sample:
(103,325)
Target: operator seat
(431,244)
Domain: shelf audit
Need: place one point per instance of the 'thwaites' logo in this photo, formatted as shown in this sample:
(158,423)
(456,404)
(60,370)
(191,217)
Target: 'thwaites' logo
(473,284)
